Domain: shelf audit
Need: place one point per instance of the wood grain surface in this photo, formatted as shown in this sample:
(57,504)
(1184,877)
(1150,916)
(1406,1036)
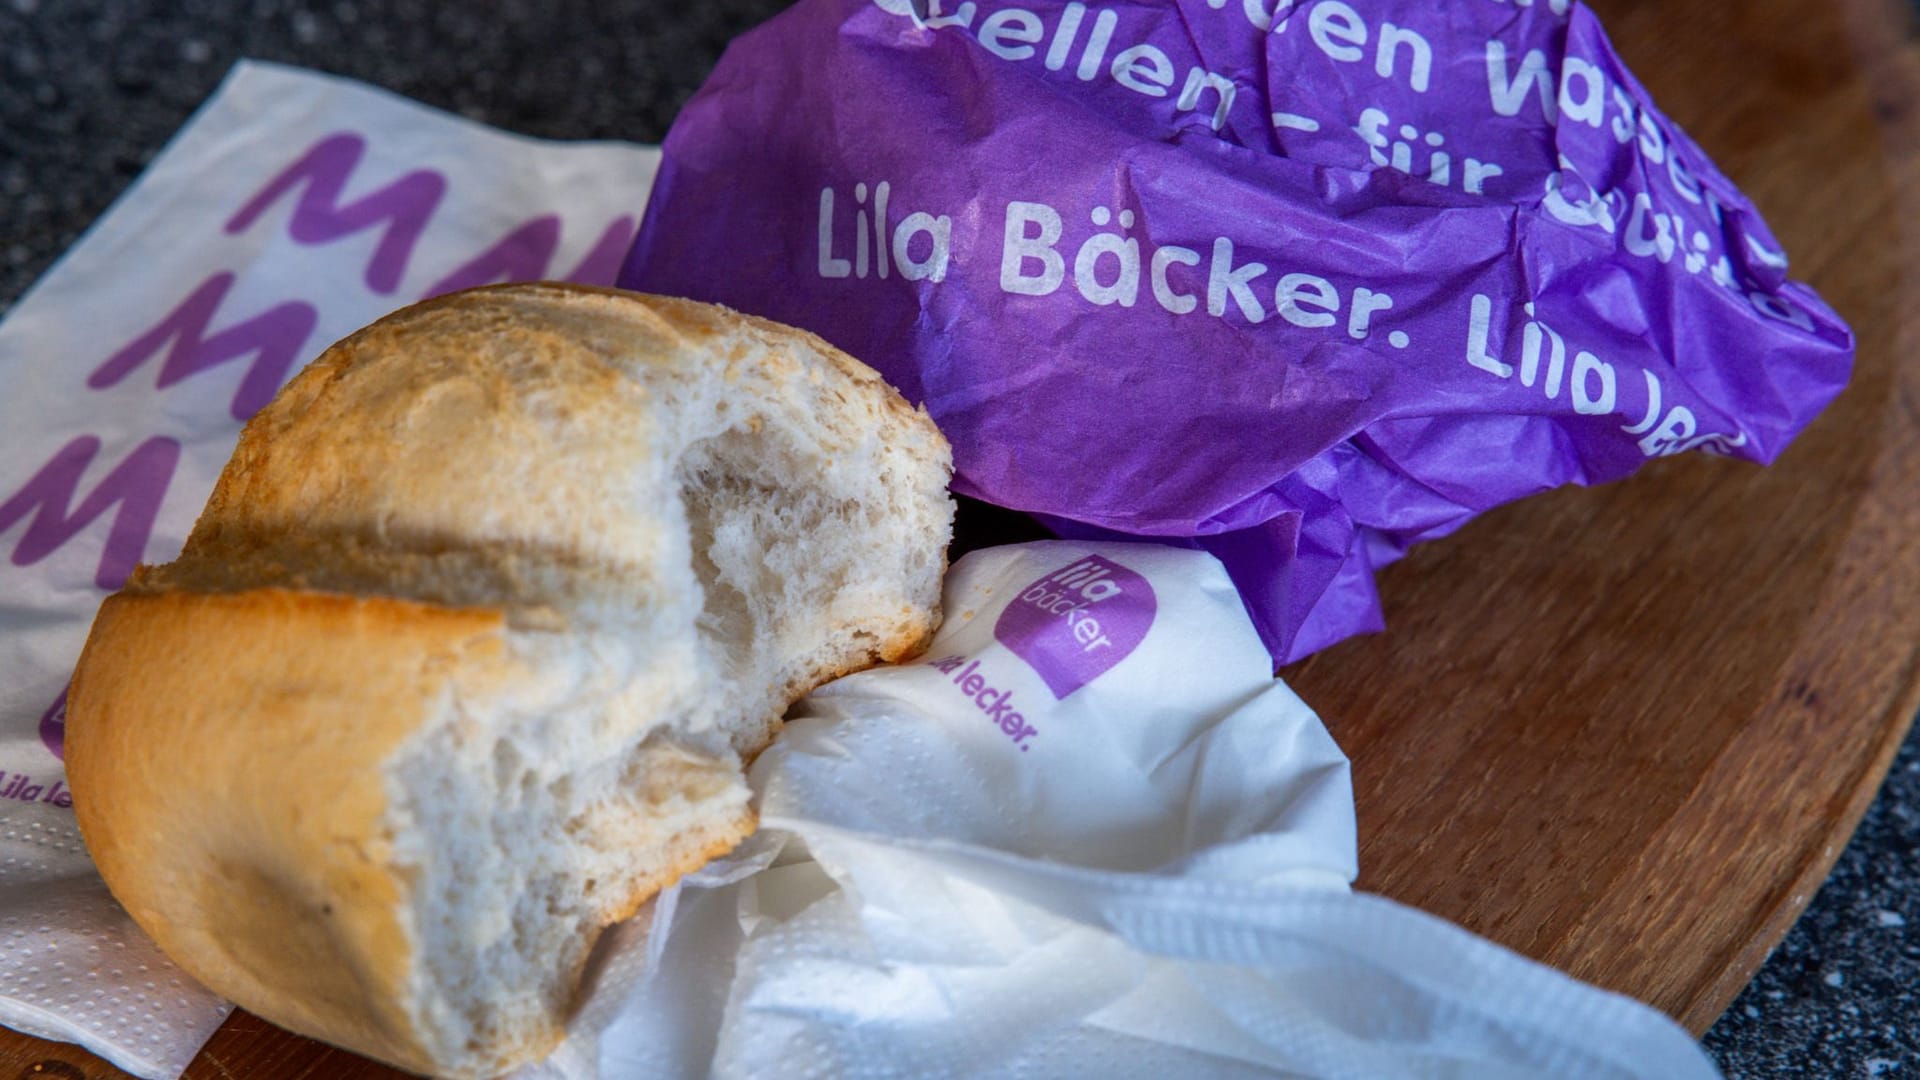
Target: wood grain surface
(1626,731)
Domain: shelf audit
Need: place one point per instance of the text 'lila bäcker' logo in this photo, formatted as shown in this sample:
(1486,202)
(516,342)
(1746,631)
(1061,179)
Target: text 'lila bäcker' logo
(1075,624)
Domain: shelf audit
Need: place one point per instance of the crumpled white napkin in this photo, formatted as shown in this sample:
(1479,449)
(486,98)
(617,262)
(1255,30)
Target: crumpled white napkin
(1152,884)
(292,210)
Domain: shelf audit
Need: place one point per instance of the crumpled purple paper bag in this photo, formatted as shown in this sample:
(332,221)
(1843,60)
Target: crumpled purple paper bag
(1300,287)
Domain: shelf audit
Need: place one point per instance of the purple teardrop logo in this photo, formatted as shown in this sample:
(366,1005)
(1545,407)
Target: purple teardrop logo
(53,726)
(1076,623)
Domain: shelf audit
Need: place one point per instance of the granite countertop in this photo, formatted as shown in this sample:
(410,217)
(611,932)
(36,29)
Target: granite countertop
(90,92)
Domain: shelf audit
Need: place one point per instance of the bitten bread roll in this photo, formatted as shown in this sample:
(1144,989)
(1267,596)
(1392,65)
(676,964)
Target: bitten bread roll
(463,657)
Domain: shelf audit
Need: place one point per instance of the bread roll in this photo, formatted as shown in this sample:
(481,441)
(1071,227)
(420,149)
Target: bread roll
(461,661)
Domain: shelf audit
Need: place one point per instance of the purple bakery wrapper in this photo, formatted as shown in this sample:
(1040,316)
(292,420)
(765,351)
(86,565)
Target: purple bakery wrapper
(1300,286)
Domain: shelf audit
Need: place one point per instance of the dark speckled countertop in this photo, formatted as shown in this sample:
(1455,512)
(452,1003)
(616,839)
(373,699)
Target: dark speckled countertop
(90,91)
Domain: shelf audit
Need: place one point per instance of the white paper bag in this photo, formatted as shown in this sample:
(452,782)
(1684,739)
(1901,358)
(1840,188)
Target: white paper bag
(1152,883)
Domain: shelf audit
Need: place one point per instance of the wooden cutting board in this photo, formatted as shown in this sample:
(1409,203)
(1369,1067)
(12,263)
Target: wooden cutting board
(1627,731)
